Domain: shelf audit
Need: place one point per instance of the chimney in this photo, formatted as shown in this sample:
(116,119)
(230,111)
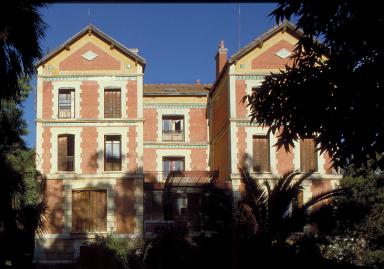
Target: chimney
(221,58)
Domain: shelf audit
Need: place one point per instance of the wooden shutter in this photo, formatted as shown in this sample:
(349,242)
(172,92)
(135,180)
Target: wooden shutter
(89,211)
(62,141)
(112,103)
(80,211)
(261,153)
(98,213)
(308,155)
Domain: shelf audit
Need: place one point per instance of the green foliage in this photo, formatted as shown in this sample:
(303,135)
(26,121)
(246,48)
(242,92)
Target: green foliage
(335,97)
(118,252)
(21,29)
(358,233)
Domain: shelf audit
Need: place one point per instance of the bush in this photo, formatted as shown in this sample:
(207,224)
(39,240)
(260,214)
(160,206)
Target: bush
(112,251)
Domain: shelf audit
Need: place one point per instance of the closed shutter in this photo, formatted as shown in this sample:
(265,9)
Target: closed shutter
(98,210)
(261,154)
(89,211)
(308,155)
(112,103)
(80,211)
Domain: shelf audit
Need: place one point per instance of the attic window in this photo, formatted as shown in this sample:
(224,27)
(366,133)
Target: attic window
(89,55)
(283,53)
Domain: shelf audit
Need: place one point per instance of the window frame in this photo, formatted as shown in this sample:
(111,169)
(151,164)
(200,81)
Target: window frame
(267,155)
(315,155)
(59,160)
(105,152)
(173,117)
(72,93)
(114,115)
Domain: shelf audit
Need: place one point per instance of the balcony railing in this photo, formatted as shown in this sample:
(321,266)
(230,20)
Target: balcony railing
(67,164)
(172,135)
(180,178)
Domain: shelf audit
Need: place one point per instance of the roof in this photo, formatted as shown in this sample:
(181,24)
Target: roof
(195,89)
(284,26)
(93,29)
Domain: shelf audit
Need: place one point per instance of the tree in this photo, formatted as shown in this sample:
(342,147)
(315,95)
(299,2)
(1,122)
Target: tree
(263,221)
(333,89)
(21,29)
(357,233)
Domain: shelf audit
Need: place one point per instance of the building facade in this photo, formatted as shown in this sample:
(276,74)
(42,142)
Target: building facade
(108,144)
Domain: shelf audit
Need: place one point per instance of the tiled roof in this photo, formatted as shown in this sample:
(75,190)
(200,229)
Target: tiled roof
(177,89)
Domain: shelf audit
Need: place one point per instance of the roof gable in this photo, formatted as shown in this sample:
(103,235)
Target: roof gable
(91,29)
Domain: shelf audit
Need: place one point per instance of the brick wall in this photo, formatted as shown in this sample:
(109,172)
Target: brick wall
(132,149)
(241,111)
(54,199)
(89,150)
(47,145)
(198,125)
(89,100)
(47,99)
(125,206)
(268,59)
(150,125)
(132,99)
(76,62)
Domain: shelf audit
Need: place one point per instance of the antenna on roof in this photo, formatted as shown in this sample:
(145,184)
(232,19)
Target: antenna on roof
(89,15)
(238,26)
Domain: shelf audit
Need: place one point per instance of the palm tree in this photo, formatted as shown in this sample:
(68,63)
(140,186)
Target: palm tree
(21,29)
(265,210)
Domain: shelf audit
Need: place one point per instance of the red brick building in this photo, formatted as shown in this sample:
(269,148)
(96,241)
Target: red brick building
(107,143)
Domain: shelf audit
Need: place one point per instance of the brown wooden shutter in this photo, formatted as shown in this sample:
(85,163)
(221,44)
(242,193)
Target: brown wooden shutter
(80,211)
(112,103)
(261,154)
(308,155)
(62,152)
(98,215)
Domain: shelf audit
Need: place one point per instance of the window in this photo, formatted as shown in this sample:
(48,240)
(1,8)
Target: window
(66,152)
(261,154)
(112,103)
(308,155)
(182,204)
(171,164)
(66,103)
(173,128)
(112,153)
(89,211)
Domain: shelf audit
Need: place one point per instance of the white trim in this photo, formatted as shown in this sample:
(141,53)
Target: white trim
(76,85)
(78,149)
(122,85)
(234,148)
(160,153)
(248,90)
(102,184)
(139,146)
(139,83)
(250,132)
(39,146)
(101,132)
(232,92)
(296,155)
(172,111)
(39,98)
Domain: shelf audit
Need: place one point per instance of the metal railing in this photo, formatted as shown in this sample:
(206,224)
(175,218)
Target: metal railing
(179,178)
(172,135)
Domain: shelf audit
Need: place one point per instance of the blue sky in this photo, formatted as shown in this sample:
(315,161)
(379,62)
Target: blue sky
(179,41)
